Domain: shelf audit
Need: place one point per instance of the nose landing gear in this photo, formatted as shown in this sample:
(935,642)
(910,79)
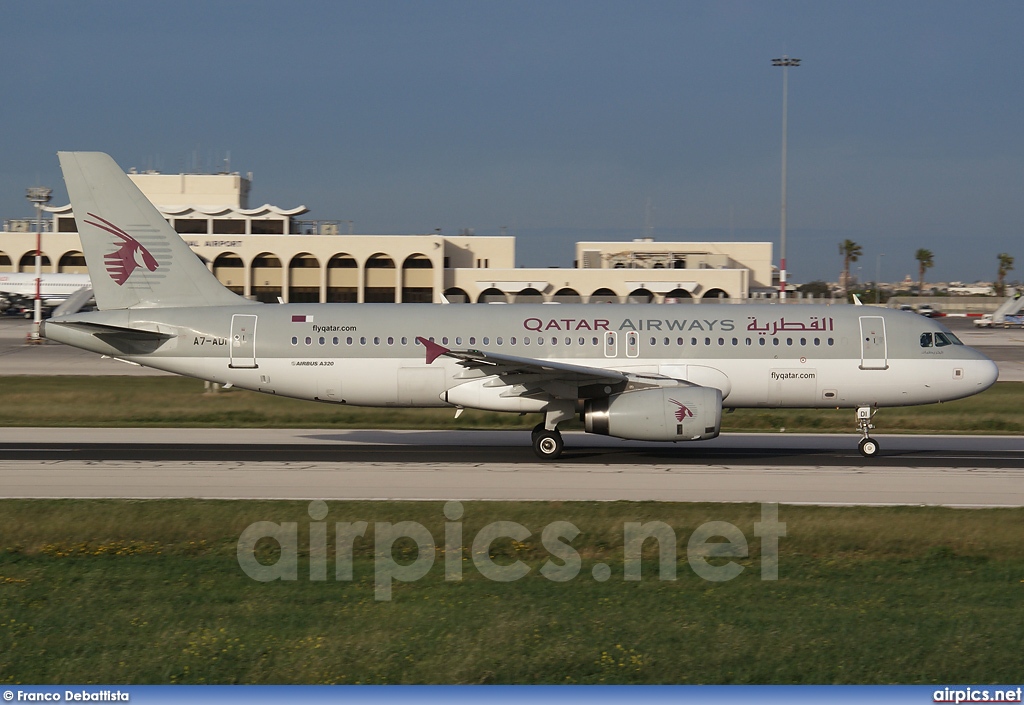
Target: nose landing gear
(868,446)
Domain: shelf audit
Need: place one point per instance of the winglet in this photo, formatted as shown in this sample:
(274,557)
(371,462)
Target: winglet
(434,350)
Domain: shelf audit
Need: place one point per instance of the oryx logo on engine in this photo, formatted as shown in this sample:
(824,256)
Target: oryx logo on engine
(682,412)
(125,259)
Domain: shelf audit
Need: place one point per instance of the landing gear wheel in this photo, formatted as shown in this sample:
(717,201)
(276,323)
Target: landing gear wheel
(536,431)
(547,444)
(868,447)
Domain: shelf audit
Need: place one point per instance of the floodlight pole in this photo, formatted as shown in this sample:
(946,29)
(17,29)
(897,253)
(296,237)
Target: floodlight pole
(785,62)
(40,196)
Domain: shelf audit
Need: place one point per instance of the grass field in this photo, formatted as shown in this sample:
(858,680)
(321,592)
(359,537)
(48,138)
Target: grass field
(178,401)
(125,592)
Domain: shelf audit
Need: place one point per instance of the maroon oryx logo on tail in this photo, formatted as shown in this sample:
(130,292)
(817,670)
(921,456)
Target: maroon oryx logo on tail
(125,259)
(682,412)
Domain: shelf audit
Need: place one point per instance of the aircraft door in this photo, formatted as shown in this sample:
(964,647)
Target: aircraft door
(243,342)
(873,353)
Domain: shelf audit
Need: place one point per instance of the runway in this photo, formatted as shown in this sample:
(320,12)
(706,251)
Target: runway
(440,465)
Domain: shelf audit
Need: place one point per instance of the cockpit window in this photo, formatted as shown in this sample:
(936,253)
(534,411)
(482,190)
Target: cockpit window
(939,339)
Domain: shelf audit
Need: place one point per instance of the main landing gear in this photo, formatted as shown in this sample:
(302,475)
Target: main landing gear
(868,446)
(547,441)
(547,444)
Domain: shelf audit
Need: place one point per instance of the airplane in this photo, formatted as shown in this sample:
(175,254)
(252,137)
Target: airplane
(54,288)
(639,372)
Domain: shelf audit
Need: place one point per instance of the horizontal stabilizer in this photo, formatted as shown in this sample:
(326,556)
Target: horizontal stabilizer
(74,303)
(105,331)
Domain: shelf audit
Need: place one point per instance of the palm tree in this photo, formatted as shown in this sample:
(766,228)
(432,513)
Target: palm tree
(1005,266)
(925,262)
(850,252)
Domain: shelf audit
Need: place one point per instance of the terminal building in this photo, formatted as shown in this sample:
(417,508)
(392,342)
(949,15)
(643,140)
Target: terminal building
(275,254)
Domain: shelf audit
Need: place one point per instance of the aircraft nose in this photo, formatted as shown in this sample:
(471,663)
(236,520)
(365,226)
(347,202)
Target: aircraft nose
(984,373)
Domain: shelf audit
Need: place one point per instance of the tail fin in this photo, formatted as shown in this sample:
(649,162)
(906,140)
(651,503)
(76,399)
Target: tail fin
(135,258)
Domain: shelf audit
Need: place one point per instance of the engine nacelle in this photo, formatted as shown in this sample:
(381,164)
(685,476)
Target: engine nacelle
(663,414)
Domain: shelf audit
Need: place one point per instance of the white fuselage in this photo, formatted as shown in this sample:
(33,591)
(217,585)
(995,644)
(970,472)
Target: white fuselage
(53,288)
(758,356)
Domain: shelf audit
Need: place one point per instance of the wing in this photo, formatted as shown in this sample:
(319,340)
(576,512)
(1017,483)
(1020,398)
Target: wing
(538,378)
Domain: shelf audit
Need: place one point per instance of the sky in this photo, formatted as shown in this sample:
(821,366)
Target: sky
(553,120)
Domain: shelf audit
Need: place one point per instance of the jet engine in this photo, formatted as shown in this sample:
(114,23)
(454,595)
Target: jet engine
(662,414)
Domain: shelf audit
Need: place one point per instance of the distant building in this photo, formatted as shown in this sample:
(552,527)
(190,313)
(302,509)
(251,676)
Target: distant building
(269,253)
(980,289)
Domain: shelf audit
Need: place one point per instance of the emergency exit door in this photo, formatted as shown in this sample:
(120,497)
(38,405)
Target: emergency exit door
(243,342)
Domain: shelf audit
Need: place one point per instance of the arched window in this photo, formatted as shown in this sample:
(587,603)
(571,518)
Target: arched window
(27,263)
(342,279)
(455,295)
(304,279)
(380,280)
(715,296)
(640,296)
(72,263)
(492,296)
(265,275)
(567,296)
(679,296)
(417,280)
(230,271)
(529,295)
(604,296)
